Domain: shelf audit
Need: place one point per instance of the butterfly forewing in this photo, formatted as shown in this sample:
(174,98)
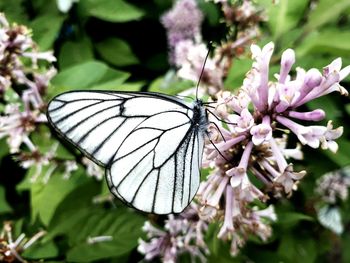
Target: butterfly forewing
(149,143)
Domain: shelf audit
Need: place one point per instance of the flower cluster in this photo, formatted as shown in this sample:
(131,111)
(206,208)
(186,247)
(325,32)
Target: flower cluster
(183,233)
(246,143)
(10,249)
(188,52)
(183,23)
(22,84)
(25,74)
(248,139)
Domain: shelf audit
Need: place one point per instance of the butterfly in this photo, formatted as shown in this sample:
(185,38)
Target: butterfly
(150,144)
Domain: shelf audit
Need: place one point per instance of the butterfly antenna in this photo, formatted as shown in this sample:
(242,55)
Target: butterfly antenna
(216,117)
(202,71)
(216,148)
(218,129)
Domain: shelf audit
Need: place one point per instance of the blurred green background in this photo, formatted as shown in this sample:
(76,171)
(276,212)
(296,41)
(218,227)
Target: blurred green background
(121,45)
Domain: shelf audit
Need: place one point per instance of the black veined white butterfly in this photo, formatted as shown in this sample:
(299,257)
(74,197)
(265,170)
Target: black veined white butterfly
(150,144)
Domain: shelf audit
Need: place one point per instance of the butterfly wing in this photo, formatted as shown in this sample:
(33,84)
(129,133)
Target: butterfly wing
(148,142)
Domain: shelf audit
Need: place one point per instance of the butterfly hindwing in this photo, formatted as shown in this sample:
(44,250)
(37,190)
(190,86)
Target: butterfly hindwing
(148,142)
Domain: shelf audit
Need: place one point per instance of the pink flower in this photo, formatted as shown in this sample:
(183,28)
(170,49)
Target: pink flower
(327,142)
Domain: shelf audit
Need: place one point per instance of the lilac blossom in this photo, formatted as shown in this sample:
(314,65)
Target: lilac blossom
(249,146)
(15,44)
(16,125)
(11,249)
(92,169)
(189,57)
(246,145)
(183,22)
(183,233)
(25,111)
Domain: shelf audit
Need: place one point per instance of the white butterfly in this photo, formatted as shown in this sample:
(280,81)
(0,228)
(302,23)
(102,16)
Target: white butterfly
(151,144)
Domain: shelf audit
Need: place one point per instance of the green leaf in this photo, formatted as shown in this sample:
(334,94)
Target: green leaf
(4,206)
(319,42)
(4,149)
(341,158)
(76,205)
(45,197)
(345,248)
(80,76)
(285,15)
(40,250)
(112,10)
(79,220)
(328,104)
(112,80)
(15,11)
(295,249)
(211,12)
(121,226)
(117,52)
(170,84)
(72,53)
(291,218)
(130,86)
(347,108)
(237,73)
(325,12)
(46,29)
(87,75)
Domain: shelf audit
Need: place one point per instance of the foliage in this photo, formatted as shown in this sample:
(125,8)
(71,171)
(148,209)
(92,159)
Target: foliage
(121,45)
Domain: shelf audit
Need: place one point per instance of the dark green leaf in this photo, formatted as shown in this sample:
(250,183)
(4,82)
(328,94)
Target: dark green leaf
(45,197)
(341,158)
(4,206)
(291,218)
(345,244)
(170,84)
(76,205)
(14,11)
(117,52)
(211,11)
(41,250)
(112,80)
(325,12)
(88,75)
(72,53)
(112,10)
(328,105)
(46,29)
(4,149)
(81,76)
(122,228)
(295,249)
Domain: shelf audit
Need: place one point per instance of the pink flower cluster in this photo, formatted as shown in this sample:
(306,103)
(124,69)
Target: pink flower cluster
(24,109)
(25,74)
(182,234)
(249,131)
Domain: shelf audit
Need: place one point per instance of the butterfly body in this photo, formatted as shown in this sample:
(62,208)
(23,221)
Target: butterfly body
(150,144)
